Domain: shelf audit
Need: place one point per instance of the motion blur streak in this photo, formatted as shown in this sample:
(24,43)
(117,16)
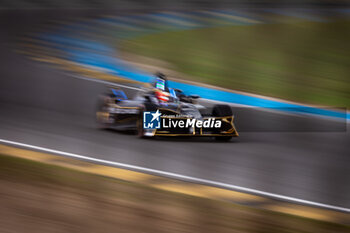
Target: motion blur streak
(43,106)
(291,157)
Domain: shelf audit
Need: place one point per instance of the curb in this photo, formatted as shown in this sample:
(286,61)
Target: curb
(178,186)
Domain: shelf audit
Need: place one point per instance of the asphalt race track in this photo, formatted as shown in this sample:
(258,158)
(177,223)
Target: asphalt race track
(296,156)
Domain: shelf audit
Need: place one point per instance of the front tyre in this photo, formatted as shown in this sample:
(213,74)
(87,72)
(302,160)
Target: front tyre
(222,110)
(223,138)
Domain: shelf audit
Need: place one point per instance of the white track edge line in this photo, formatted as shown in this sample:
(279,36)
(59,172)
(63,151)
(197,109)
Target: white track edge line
(179,176)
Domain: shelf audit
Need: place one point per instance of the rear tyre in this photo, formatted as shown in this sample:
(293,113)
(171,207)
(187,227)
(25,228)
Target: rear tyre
(99,109)
(140,130)
(222,110)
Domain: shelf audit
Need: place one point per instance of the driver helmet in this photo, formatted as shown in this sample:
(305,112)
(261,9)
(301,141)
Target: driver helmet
(161,82)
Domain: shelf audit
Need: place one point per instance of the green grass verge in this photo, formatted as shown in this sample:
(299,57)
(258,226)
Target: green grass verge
(305,62)
(36,195)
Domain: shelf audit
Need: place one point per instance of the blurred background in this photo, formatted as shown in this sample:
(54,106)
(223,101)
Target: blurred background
(283,66)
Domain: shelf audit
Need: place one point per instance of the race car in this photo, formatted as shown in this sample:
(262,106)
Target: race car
(164,111)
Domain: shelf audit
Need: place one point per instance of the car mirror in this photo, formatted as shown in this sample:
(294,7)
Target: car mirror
(194,96)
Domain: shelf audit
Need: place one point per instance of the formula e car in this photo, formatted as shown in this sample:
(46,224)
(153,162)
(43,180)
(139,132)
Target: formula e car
(164,111)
